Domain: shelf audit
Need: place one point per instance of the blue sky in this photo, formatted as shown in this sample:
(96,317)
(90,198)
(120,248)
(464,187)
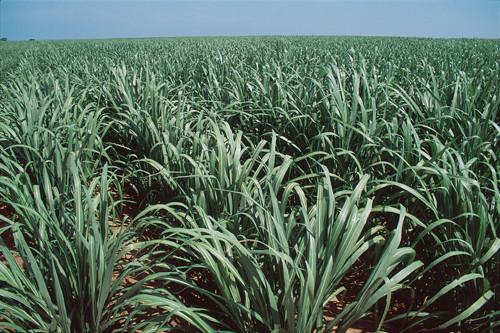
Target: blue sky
(21,20)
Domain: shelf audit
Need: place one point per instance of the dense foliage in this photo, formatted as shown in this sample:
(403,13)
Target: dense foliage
(246,184)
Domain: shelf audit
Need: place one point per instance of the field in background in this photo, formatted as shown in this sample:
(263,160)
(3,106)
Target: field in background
(250,184)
